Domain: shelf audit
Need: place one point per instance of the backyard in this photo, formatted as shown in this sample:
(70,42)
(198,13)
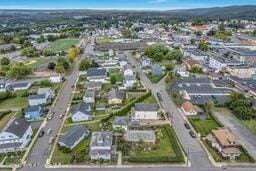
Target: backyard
(63,45)
(36,62)
(167,150)
(15,103)
(4,119)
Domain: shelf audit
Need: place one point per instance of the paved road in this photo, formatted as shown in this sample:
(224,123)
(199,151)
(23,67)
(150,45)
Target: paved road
(41,148)
(245,137)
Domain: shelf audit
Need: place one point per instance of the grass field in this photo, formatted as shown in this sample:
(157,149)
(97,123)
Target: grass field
(105,39)
(203,127)
(17,102)
(151,99)
(118,75)
(36,62)
(155,78)
(62,45)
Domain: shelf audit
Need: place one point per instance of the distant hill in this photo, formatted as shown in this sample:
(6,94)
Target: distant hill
(241,12)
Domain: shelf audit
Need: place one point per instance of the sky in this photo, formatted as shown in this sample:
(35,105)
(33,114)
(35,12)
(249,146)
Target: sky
(120,4)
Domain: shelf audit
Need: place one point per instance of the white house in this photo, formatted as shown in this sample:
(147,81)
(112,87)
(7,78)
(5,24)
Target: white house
(15,136)
(129,81)
(37,99)
(89,96)
(128,72)
(97,75)
(82,112)
(55,79)
(101,145)
(146,111)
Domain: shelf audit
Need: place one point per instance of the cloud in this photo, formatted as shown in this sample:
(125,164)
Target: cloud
(157,1)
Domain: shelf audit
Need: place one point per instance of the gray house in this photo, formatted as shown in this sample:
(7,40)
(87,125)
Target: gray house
(120,122)
(73,136)
(38,99)
(101,145)
(89,96)
(81,112)
(97,75)
(115,96)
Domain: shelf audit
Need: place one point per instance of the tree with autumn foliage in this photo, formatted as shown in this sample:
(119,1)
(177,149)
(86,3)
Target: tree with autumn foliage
(73,53)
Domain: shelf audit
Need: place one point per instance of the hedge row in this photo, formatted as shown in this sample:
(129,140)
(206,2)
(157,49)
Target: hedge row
(125,110)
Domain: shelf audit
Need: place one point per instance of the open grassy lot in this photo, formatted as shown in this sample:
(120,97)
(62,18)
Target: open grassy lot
(17,102)
(36,62)
(117,74)
(105,39)
(244,157)
(62,45)
(5,119)
(166,150)
(203,127)
(151,99)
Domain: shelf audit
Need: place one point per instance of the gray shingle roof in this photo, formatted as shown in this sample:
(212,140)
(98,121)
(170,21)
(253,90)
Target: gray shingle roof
(10,145)
(121,121)
(101,139)
(146,107)
(33,109)
(82,107)
(18,85)
(73,135)
(18,127)
(114,93)
(37,96)
(96,72)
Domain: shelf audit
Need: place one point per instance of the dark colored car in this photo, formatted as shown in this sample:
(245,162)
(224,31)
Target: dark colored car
(187,125)
(41,133)
(192,134)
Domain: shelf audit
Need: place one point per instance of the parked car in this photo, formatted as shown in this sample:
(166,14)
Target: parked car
(49,131)
(187,125)
(41,134)
(51,140)
(61,116)
(192,134)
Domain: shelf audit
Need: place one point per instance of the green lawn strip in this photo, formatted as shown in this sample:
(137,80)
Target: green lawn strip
(105,39)
(63,44)
(244,156)
(150,99)
(165,151)
(117,74)
(13,157)
(204,127)
(5,118)
(78,96)
(17,102)
(42,61)
(155,78)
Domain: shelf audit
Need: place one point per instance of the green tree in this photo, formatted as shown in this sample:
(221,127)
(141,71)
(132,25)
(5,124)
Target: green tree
(5,61)
(84,65)
(203,46)
(30,52)
(64,62)
(113,79)
(59,68)
(19,70)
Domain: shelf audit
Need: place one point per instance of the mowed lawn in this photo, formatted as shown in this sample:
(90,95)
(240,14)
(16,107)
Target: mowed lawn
(204,127)
(36,62)
(17,102)
(63,45)
(5,119)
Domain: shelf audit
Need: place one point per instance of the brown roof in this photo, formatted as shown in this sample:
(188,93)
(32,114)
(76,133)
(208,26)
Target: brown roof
(231,150)
(187,106)
(199,28)
(192,62)
(224,137)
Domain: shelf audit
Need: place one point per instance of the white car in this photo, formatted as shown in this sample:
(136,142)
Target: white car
(49,131)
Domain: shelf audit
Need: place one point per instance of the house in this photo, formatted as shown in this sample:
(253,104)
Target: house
(146,111)
(188,108)
(97,75)
(128,72)
(38,99)
(182,72)
(147,136)
(89,96)
(73,136)
(15,136)
(192,63)
(33,112)
(115,96)
(129,81)
(19,86)
(195,54)
(101,145)
(241,71)
(120,122)
(55,78)
(156,69)
(225,142)
(220,63)
(48,91)
(145,62)
(81,112)
(92,85)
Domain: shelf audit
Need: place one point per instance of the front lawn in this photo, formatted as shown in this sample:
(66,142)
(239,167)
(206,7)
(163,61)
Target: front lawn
(150,99)
(5,119)
(62,45)
(167,150)
(155,78)
(117,74)
(203,127)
